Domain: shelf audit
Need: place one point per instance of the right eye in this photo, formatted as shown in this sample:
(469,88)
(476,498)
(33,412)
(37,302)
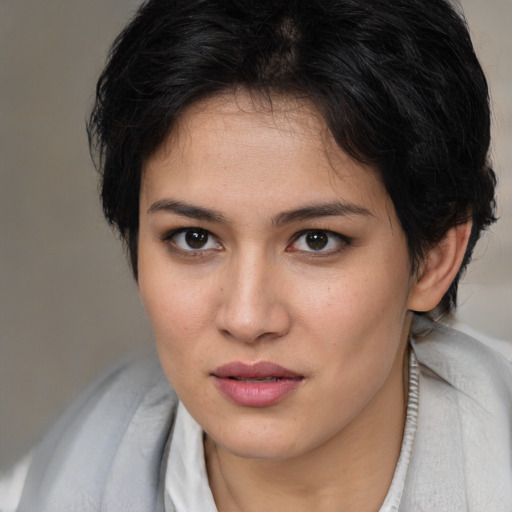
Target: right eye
(192,240)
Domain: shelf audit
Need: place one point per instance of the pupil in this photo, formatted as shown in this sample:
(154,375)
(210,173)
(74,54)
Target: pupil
(196,239)
(317,240)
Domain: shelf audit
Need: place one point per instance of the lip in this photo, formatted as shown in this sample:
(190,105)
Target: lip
(255,385)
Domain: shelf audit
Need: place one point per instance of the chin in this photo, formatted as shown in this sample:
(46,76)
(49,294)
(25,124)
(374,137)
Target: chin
(260,451)
(265,443)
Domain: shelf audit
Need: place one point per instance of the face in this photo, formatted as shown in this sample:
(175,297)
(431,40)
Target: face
(276,278)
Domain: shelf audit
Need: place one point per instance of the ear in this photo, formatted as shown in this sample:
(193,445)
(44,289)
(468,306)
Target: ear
(439,269)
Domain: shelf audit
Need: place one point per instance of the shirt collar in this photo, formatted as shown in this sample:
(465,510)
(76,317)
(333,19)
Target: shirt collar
(186,480)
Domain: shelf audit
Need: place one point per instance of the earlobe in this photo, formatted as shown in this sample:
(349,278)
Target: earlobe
(439,269)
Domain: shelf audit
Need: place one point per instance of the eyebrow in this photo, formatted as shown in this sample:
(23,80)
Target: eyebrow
(187,210)
(336,208)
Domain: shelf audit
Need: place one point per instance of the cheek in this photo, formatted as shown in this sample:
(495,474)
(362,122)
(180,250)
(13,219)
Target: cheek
(178,317)
(357,317)
(175,312)
(178,307)
(357,298)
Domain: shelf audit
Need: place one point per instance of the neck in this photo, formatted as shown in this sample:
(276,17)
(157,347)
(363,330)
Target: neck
(350,472)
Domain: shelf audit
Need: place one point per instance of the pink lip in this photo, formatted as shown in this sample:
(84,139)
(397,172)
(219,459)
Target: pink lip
(247,385)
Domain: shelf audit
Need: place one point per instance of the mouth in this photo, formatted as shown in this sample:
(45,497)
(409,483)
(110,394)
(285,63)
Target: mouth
(258,372)
(264,379)
(256,385)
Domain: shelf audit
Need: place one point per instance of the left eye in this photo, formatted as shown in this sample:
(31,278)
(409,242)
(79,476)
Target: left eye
(318,241)
(193,239)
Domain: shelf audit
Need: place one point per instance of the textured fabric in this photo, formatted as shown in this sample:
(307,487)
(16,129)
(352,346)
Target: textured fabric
(462,457)
(109,450)
(11,484)
(397,488)
(105,453)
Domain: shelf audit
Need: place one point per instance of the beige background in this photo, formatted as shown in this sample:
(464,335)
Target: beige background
(68,307)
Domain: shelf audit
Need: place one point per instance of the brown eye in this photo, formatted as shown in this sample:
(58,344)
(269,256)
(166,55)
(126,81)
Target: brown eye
(197,238)
(317,240)
(192,240)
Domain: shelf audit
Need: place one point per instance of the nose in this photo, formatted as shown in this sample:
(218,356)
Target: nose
(253,305)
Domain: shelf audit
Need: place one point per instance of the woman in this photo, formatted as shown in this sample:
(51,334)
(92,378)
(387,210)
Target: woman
(299,186)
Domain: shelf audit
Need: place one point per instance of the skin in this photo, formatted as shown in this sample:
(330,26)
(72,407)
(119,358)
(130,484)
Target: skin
(256,291)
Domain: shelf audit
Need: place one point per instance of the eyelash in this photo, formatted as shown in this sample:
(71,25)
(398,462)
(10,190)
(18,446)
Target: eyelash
(170,240)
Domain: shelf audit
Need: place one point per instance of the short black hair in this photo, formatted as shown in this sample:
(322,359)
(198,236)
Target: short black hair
(396,81)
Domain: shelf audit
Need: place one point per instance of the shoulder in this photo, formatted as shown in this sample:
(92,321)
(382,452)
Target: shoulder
(121,421)
(464,362)
(503,346)
(462,449)
(11,484)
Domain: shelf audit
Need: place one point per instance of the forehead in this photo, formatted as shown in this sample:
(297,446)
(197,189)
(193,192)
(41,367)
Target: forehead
(252,148)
